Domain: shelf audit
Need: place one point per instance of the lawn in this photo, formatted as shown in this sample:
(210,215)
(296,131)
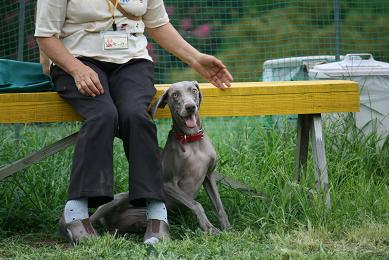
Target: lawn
(284,220)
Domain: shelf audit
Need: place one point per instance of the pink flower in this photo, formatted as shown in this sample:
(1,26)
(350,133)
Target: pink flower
(10,16)
(31,43)
(186,24)
(170,10)
(202,31)
(150,49)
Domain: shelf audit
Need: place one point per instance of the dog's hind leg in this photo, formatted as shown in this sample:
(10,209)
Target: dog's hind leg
(118,216)
(119,201)
(213,193)
(176,194)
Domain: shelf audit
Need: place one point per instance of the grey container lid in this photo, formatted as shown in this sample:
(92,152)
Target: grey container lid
(296,61)
(358,64)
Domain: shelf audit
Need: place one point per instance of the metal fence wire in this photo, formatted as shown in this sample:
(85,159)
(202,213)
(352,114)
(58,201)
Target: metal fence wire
(242,33)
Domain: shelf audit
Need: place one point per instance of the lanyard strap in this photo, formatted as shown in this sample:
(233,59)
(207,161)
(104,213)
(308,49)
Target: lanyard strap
(117,6)
(112,11)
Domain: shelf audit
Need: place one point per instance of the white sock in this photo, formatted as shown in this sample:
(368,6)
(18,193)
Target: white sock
(76,210)
(156,210)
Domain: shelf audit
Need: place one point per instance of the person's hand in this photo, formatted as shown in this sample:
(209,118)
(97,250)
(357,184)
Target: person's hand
(213,70)
(87,81)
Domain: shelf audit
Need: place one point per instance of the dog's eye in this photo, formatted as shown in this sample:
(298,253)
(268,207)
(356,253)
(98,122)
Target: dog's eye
(175,95)
(194,91)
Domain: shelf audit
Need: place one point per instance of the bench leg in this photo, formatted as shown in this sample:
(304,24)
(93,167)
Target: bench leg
(37,156)
(311,125)
(319,157)
(302,142)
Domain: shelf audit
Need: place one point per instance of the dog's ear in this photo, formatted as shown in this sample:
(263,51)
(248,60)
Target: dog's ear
(198,88)
(159,103)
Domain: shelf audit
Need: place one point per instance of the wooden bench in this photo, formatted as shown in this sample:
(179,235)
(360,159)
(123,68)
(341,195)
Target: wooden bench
(307,99)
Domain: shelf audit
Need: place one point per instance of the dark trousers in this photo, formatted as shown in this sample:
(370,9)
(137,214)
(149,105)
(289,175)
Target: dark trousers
(121,111)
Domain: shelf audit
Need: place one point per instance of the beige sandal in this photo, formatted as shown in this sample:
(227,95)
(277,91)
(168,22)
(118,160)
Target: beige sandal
(156,231)
(77,230)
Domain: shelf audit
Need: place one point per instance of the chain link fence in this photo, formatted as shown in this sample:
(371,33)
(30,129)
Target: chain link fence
(244,34)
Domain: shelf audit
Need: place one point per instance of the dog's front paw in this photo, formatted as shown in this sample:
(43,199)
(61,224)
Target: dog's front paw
(207,227)
(225,225)
(213,231)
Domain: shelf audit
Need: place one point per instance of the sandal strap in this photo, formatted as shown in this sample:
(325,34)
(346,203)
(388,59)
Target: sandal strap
(88,226)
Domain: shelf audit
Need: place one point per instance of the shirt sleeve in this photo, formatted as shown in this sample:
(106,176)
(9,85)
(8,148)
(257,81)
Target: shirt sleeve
(50,17)
(156,14)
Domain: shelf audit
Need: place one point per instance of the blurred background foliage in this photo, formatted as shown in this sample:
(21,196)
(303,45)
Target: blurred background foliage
(242,33)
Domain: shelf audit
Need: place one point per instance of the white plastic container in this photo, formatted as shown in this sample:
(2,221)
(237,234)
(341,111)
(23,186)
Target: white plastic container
(292,68)
(373,79)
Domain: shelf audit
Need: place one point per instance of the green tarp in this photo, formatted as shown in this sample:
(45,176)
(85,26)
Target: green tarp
(16,76)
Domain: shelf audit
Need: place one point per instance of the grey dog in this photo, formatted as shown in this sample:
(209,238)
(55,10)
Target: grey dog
(188,162)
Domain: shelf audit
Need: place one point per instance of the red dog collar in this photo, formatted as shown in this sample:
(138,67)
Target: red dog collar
(184,139)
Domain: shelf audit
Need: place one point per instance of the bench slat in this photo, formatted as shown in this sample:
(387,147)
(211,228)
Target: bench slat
(242,99)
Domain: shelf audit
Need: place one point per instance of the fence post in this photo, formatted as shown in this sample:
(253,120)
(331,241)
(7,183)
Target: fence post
(20,51)
(21,20)
(337,29)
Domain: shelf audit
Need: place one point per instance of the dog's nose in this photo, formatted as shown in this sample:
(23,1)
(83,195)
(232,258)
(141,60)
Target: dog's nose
(190,108)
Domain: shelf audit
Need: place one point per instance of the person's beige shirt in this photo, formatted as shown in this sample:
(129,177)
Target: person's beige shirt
(79,24)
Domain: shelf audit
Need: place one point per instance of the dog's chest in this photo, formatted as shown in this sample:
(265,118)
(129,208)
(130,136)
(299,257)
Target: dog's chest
(194,159)
(186,165)
(193,169)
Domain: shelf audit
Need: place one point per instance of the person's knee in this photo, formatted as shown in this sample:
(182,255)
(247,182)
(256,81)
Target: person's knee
(136,118)
(134,115)
(106,117)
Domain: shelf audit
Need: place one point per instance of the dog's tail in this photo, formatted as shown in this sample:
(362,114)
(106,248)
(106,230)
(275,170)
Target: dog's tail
(239,186)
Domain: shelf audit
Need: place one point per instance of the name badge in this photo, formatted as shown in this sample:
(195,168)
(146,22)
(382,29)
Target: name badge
(115,41)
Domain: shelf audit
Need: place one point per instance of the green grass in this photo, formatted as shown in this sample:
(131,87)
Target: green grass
(291,222)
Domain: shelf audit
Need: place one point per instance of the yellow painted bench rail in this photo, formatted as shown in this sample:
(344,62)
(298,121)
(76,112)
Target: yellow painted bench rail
(242,99)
